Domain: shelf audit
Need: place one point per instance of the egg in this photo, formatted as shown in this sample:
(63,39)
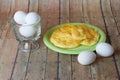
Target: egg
(86,57)
(19,17)
(27,31)
(104,49)
(32,17)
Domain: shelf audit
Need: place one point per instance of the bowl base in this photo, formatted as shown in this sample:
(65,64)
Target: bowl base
(28,46)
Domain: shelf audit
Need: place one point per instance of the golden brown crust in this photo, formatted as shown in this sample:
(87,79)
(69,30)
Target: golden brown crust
(70,36)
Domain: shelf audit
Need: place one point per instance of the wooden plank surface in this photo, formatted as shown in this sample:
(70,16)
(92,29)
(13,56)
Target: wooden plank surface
(79,72)
(64,62)
(7,58)
(45,60)
(116,36)
(7,52)
(96,70)
(45,64)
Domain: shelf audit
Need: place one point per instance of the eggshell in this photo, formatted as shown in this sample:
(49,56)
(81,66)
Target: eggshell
(27,31)
(86,57)
(32,18)
(104,49)
(19,17)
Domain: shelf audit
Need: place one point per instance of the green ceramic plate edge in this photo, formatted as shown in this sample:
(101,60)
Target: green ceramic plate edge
(76,50)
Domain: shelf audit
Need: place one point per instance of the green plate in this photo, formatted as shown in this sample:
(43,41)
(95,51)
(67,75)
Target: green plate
(77,50)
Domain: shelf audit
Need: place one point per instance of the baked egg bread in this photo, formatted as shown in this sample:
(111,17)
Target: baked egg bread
(71,36)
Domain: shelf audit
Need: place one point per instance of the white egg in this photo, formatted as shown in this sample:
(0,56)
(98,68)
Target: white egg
(32,18)
(86,57)
(19,17)
(27,31)
(104,49)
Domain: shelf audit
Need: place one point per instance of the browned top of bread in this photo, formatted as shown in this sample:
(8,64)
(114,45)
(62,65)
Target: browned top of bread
(71,36)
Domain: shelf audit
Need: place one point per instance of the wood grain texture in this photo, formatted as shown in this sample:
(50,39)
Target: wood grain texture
(36,65)
(76,11)
(18,5)
(79,72)
(64,60)
(45,60)
(8,53)
(113,31)
(51,69)
(33,5)
(5,7)
(116,36)
(116,12)
(7,58)
(96,71)
(20,66)
(45,64)
(4,30)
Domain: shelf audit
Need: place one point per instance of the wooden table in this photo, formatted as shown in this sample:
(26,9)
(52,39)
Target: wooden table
(45,64)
